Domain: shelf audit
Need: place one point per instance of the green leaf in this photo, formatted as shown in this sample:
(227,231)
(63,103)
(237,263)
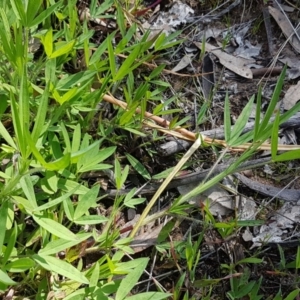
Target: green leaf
(98,53)
(23,203)
(56,201)
(5,135)
(41,115)
(11,244)
(149,296)
(138,166)
(242,223)
(70,81)
(245,290)
(90,220)
(6,39)
(67,96)
(58,245)
(32,8)
(127,64)
(4,278)
(250,260)
(127,116)
(60,267)
(55,228)
(132,202)
(63,48)
(166,230)
(90,160)
(298,258)
(292,295)
(131,279)
(164,174)
(95,275)
(48,42)
(59,164)
(20,265)
(27,187)
(76,138)
(44,14)
(159,41)
(103,8)
(122,176)
(86,202)
(205,282)
(18,8)
(156,72)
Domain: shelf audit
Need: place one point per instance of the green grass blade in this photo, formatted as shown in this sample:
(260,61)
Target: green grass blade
(5,134)
(287,156)
(239,125)
(27,187)
(227,121)
(127,64)
(40,119)
(24,101)
(32,9)
(3,219)
(44,14)
(257,114)
(117,174)
(17,127)
(8,46)
(111,56)
(275,97)
(274,139)
(18,8)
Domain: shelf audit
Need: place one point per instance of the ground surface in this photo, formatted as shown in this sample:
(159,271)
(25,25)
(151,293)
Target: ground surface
(217,251)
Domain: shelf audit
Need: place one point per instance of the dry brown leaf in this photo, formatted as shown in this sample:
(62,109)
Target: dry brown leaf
(146,240)
(292,96)
(286,27)
(236,64)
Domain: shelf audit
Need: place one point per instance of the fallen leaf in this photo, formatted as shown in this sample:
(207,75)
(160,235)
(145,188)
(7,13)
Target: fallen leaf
(292,96)
(236,64)
(286,27)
